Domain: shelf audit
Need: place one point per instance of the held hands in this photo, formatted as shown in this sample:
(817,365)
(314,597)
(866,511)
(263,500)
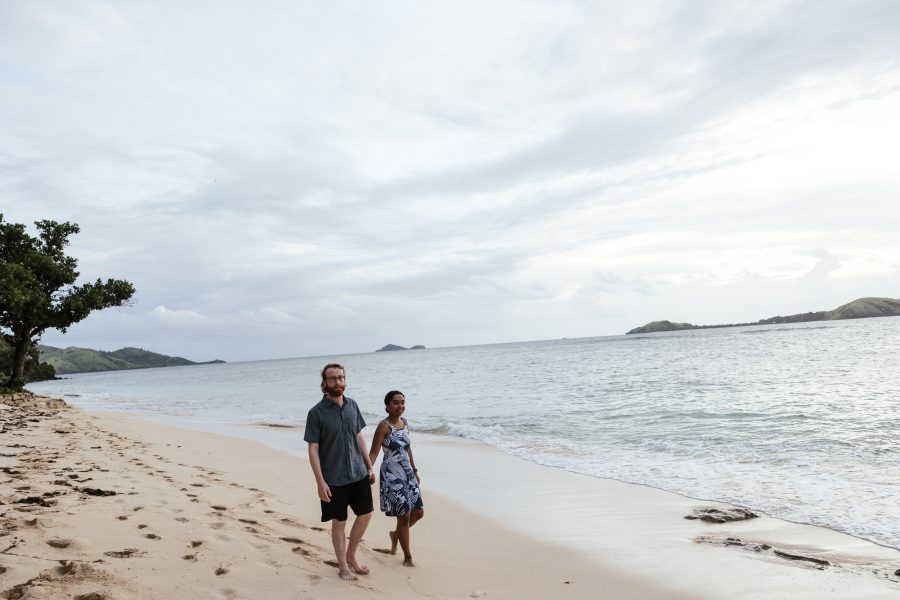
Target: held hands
(371,476)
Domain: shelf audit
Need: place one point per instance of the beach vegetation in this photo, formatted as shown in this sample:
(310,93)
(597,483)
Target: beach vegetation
(38,290)
(35,369)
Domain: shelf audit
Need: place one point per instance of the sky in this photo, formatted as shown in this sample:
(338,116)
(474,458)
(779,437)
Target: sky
(289,178)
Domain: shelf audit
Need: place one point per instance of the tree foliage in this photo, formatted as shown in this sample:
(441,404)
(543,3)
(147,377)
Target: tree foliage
(38,291)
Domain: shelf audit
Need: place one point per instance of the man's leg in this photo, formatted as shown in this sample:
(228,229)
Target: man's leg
(356,533)
(339,541)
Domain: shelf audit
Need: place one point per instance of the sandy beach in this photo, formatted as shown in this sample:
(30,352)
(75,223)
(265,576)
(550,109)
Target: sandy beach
(108,506)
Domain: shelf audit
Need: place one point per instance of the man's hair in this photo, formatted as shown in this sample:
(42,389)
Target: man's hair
(331,366)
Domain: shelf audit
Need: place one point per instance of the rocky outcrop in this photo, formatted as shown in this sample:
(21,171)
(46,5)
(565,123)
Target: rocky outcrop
(721,515)
(28,400)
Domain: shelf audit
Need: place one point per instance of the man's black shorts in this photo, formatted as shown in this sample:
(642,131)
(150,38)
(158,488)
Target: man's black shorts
(357,496)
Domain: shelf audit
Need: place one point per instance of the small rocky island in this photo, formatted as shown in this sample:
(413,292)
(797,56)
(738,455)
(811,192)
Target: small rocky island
(392,347)
(862,308)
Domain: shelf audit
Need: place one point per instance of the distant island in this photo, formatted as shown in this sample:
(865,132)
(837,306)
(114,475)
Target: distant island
(862,308)
(85,360)
(392,347)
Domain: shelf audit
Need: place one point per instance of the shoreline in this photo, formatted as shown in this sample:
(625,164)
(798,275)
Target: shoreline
(495,524)
(296,448)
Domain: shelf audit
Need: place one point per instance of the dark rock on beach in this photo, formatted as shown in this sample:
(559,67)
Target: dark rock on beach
(789,556)
(718,515)
(761,548)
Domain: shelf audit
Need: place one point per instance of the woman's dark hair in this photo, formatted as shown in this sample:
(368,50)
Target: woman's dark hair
(391,394)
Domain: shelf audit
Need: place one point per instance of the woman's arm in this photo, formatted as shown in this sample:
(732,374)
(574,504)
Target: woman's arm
(412,463)
(377,440)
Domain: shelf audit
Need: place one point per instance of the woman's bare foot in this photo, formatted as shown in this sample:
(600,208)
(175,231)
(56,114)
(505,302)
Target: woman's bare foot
(347,576)
(393,535)
(407,562)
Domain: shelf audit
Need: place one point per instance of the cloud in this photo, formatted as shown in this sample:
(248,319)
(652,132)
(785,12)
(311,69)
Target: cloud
(305,179)
(177,315)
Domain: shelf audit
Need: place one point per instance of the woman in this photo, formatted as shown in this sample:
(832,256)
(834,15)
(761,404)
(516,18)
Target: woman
(400,495)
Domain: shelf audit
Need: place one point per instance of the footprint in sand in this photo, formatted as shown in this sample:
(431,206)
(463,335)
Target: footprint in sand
(196,543)
(190,557)
(126,553)
(152,536)
(59,543)
(291,540)
(16,592)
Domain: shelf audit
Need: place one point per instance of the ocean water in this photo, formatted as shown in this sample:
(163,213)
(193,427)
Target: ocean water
(800,421)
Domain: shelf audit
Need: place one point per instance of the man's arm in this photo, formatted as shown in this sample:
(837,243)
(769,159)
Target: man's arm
(324,490)
(361,442)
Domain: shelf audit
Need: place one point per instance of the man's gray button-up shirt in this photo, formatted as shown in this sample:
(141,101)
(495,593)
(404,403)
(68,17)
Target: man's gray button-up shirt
(334,428)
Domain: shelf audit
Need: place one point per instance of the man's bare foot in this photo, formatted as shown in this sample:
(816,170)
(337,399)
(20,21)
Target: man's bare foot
(357,568)
(393,535)
(347,576)
(407,562)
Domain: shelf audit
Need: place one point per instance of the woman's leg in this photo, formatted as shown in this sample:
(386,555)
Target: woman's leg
(415,515)
(403,538)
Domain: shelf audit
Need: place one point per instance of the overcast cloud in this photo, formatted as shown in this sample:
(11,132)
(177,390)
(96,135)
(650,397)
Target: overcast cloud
(307,178)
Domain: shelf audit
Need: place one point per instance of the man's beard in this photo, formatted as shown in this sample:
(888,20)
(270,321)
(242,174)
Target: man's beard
(335,390)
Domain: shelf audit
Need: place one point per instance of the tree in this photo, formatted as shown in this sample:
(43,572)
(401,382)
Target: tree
(35,370)
(38,291)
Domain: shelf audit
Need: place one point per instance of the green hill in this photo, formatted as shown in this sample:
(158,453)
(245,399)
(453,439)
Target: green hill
(865,308)
(85,360)
(862,308)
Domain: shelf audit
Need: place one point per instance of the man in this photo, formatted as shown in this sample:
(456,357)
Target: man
(340,462)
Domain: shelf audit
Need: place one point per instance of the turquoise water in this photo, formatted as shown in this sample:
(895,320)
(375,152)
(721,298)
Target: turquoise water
(800,421)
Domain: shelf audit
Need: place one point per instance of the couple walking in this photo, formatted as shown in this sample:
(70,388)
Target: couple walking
(344,474)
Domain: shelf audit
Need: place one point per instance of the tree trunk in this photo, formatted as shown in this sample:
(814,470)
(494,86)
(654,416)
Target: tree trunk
(17,378)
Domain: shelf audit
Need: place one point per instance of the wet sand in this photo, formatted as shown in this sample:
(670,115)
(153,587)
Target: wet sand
(104,506)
